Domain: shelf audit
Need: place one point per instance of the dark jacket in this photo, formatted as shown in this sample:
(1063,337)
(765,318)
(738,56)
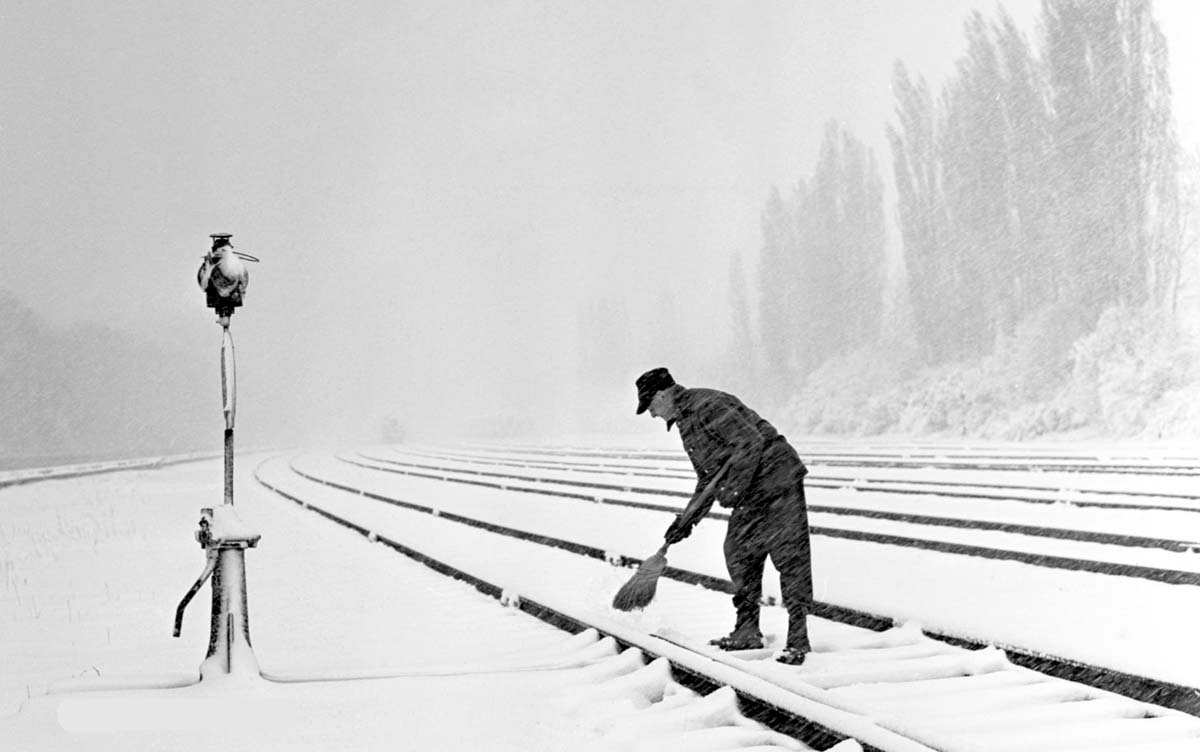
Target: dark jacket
(716,427)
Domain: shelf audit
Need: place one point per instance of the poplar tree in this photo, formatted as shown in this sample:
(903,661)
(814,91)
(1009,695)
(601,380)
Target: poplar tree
(821,273)
(921,212)
(1034,181)
(1116,152)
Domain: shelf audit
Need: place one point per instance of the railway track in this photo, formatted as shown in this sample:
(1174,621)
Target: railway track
(1101,546)
(891,687)
(1116,462)
(1070,488)
(629,492)
(1173,695)
(24,476)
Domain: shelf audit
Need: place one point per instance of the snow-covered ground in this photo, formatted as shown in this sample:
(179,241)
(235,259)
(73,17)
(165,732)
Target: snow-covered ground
(93,569)
(1134,625)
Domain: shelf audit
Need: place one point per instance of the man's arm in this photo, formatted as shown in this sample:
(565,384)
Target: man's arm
(696,509)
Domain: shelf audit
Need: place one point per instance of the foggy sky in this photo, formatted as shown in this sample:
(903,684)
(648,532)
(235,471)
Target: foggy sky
(434,188)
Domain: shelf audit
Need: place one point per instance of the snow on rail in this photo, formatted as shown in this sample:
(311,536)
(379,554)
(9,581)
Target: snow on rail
(969,532)
(1121,673)
(887,694)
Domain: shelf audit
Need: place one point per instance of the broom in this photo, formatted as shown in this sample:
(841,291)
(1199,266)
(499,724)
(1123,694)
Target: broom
(640,590)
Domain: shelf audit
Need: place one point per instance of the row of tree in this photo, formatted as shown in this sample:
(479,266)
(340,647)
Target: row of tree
(1038,180)
(822,262)
(1035,179)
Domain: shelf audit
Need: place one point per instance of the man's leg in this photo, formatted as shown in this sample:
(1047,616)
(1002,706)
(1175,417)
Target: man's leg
(791,555)
(745,557)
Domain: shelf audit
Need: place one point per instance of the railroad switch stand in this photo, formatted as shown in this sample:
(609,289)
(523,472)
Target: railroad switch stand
(222,534)
(224,538)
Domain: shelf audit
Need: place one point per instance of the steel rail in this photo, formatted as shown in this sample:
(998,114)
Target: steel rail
(1096,464)
(101,468)
(768,709)
(867,448)
(891,485)
(1145,689)
(1082,536)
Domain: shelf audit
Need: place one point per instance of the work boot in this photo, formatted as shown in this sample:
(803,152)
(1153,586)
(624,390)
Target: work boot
(737,641)
(792,656)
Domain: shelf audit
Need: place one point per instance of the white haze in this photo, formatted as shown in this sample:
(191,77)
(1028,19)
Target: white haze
(438,192)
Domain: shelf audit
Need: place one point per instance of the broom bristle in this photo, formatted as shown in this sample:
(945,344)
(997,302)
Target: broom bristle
(640,590)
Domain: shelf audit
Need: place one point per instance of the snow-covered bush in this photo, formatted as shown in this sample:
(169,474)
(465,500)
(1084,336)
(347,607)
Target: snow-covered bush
(1134,375)
(852,393)
(879,389)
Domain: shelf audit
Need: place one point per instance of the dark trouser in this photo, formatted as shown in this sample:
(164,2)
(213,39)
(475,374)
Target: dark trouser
(779,529)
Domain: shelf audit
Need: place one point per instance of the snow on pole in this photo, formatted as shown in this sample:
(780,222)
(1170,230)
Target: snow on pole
(229,403)
(228,378)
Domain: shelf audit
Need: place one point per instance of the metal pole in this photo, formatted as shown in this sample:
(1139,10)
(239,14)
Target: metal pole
(229,466)
(229,402)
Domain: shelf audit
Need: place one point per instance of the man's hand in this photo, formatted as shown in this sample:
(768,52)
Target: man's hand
(678,530)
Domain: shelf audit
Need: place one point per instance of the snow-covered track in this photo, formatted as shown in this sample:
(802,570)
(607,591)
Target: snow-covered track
(437,461)
(63,472)
(944,457)
(1167,692)
(1068,490)
(775,715)
(1150,690)
(630,493)
(894,691)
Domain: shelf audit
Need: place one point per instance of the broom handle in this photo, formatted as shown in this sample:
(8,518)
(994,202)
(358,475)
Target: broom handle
(699,501)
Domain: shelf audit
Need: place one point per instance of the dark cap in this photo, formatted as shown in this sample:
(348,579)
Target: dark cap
(651,383)
(221,239)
